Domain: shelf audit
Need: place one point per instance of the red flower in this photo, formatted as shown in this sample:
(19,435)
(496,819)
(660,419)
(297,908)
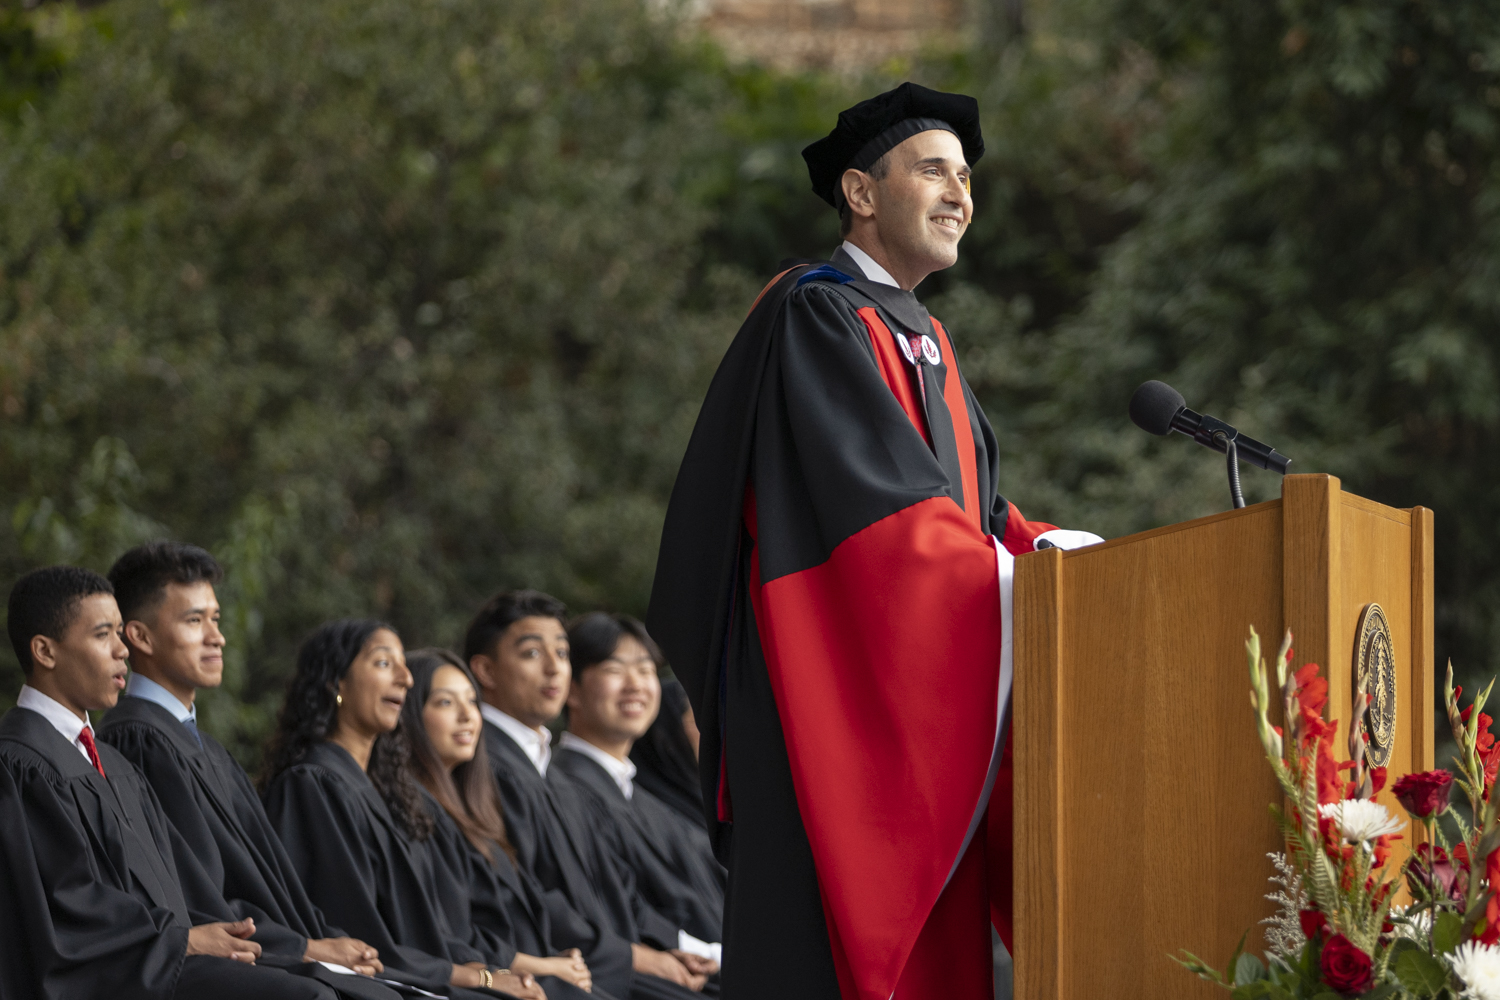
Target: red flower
(1312,695)
(1345,968)
(1425,794)
(1490,758)
(1491,932)
(1432,870)
(1330,788)
(1377,779)
(1382,849)
(1313,923)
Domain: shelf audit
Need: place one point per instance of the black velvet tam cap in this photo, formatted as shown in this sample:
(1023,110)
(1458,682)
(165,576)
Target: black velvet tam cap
(872,128)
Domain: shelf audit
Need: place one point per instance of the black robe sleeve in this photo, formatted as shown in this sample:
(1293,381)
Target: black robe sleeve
(67,924)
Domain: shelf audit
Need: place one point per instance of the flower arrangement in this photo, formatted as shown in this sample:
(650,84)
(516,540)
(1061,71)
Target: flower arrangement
(1337,933)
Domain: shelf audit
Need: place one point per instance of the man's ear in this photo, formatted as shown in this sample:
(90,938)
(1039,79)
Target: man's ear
(44,652)
(859,192)
(138,637)
(483,668)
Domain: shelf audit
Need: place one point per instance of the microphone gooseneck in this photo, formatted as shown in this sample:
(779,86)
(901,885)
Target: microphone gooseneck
(1160,409)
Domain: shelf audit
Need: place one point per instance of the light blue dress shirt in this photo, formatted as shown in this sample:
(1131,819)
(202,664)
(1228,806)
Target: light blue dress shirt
(141,686)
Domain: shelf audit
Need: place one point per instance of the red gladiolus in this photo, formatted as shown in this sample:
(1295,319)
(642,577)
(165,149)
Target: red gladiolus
(1490,758)
(1425,794)
(1312,695)
(1491,933)
(1377,779)
(1312,922)
(1346,969)
(1330,788)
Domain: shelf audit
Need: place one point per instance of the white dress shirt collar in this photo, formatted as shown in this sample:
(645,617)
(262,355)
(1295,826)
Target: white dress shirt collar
(141,686)
(620,771)
(873,271)
(55,712)
(536,745)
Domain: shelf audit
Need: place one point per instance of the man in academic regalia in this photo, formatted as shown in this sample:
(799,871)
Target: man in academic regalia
(95,905)
(833,588)
(165,592)
(613,699)
(517,648)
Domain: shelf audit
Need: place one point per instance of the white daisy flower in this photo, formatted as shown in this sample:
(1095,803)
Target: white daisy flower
(1478,965)
(1361,820)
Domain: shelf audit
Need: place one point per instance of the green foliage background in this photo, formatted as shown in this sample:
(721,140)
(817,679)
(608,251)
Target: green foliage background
(394,304)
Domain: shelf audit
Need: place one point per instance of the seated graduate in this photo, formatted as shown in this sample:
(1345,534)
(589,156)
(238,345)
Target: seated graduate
(340,794)
(165,591)
(666,758)
(94,902)
(517,649)
(504,907)
(614,698)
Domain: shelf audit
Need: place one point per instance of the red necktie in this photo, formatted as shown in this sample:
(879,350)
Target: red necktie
(86,737)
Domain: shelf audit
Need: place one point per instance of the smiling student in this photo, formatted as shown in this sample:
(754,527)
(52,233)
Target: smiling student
(517,648)
(91,872)
(614,698)
(500,908)
(341,796)
(165,591)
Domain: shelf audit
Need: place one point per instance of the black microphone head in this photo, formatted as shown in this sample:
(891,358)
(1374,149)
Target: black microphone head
(1154,405)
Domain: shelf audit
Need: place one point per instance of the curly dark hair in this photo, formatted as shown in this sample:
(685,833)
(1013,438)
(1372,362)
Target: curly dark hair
(310,714)
(468,794)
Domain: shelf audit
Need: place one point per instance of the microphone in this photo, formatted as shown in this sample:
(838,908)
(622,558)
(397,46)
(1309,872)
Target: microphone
(1160,409)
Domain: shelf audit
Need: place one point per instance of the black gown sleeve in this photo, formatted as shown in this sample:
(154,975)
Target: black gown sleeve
(332,851)
(67,930)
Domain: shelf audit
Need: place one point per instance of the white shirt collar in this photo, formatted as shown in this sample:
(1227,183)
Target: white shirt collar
(141,686)
(55,712)
(873,271)
(622,771)
(536,745)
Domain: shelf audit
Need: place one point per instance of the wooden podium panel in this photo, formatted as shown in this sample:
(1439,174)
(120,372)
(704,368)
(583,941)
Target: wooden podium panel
(1141,790)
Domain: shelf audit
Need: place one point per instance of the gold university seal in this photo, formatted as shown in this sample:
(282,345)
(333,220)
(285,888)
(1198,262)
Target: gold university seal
(1375,675)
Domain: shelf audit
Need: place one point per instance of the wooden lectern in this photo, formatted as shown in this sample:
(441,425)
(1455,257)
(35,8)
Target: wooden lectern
(1141,790)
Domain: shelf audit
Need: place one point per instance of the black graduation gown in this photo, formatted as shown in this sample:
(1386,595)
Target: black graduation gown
(670,856)
(835,524)
(211,802)
(544,823)
(361,869)
(664,759)
(93,905)
(496,907)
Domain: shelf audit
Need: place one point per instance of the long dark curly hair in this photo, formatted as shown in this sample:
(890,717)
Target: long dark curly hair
(309,717)
(468,794)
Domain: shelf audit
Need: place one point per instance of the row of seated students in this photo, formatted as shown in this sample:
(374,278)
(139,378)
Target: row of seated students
(415,833)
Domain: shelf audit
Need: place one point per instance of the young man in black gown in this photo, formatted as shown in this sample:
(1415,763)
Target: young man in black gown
(517,648)
(95,905)
(165,592)
(614,698)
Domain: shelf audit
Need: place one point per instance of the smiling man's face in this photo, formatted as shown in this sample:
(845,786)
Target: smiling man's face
(922,205)
(181,640)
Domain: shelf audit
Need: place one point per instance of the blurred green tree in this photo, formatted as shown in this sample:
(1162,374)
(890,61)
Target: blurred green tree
(392,305)
(382,301)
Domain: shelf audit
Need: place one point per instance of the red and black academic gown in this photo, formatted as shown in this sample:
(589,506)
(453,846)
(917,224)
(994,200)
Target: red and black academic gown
(829,588)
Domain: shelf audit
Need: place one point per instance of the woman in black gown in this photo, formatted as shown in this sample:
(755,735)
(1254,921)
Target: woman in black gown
(507,910)
(340,794)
